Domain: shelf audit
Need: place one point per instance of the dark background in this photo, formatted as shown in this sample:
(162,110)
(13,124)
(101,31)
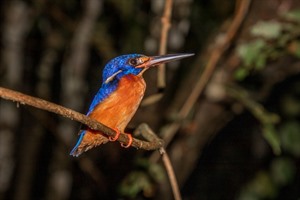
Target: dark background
(241,140)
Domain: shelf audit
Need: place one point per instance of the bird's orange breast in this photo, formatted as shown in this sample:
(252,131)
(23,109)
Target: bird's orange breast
(119,107)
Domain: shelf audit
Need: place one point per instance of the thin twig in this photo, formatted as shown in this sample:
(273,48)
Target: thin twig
(73,115)
(171,174)
(148,134)
(166,24)
(209,69)
(161,69)
(215,57)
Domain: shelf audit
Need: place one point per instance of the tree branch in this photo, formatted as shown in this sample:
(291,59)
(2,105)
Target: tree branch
(73,115)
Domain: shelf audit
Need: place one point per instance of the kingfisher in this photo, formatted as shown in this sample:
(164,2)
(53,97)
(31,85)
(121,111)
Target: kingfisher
(119,97)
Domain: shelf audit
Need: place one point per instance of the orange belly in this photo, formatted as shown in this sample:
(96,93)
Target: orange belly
(119,107)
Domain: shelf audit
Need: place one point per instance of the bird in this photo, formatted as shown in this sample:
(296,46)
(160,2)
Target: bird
(119,97)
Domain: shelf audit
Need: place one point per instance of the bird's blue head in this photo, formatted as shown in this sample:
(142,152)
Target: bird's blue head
(134,64)
(123,65)
(117,68)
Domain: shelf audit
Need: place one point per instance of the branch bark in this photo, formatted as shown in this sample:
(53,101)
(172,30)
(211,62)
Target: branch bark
(73,115)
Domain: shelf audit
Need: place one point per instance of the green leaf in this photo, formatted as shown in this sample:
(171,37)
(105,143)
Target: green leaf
(142,180)
(271,136)
(283,171)
(290,105)
(157,172)
(293,15)
(267,29)
(135,183)
(261,60)
(261,187)
(290,136)
(241,73)
(252,53)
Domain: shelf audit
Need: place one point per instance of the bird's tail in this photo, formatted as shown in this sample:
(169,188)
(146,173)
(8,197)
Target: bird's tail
(87,140)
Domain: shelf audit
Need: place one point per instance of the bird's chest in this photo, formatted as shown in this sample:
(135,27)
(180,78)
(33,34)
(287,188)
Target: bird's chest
(119,107)
(129,94)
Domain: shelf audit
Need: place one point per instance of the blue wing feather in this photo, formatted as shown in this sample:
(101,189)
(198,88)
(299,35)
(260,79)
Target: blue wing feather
(73,152)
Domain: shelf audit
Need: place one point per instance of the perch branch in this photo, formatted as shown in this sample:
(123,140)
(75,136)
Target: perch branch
(73,115)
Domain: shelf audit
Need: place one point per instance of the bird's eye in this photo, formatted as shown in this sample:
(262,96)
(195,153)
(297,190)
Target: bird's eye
(133,62)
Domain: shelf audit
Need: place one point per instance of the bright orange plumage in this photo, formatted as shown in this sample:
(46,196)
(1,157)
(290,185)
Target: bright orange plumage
(124,101)
(119,96)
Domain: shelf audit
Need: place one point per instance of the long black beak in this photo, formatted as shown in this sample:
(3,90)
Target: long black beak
(156,60)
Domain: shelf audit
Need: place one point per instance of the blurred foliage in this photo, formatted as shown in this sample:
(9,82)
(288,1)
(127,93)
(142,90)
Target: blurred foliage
(267,29)
(282,170)
(292,15)
(266,184)
(290,137)
(271,40)
(252,57)
(267,120)
(270,134)
(261,187)
(144,180)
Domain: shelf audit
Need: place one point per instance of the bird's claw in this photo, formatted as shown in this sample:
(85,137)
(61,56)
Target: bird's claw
(129,141)
(112,139)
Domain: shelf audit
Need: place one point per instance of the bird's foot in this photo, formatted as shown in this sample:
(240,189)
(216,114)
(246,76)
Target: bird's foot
(112,139)
(129,141)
